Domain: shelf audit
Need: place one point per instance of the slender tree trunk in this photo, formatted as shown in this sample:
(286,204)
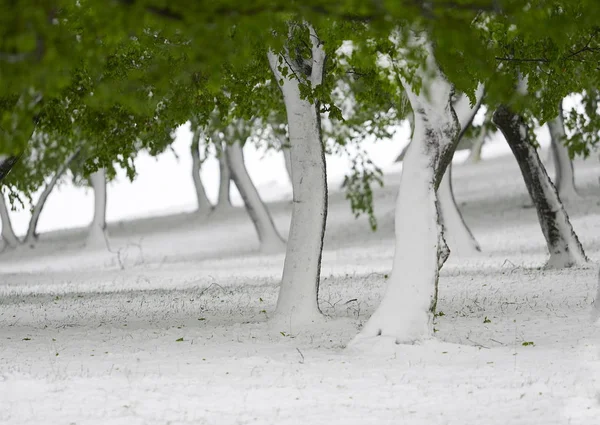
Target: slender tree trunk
(406,310)
(31,235)
(270,240)
(8,234)
(411,123)
(563,244)
(456,232)
(204,205)
(6,164)
(224,199)
(97,236)
(475,153)
(297,302)
(459,237)
(565,177)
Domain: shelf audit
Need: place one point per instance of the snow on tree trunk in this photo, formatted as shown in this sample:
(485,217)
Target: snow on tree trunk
(31,235)
(456,232)
(270,241)
(564,180)
(406,310)
(297,302)
(97,236)
(563,244)
(204,205)
(224,198)
(465,113)
(8,234)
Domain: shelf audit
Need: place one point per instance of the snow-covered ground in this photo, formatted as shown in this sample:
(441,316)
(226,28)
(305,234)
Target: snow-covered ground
(170,327)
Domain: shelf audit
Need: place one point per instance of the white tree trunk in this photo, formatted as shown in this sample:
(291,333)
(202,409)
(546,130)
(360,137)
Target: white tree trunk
(297,302)
(204,206)
(97,236)
(456,232)
(475,153)
(287,157)
(270,240)
(563,244)
(31,235)
(564,180)
(411,123)
(8,234)
(406,310)
(224,198)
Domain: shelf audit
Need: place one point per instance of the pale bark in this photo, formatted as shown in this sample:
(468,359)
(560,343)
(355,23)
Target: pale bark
(411,123)
(8,234)
(204,205)
(224,198)
(464,113)
(97,236)
(564,180)
(406,310)
(563,244)
(457,234)
(287,157)
(475,153)
(270,240)
(297,302)
(31,235)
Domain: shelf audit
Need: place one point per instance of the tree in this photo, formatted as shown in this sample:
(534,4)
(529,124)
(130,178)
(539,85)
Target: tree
(204,205)
(479,135)
(563,244)
(411,295)
(237,134)
(564,180)
(97,235)
(297,301)
(45,157)
(456,232)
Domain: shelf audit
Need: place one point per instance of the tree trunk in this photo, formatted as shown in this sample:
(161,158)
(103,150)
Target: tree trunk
(457,234)
(411,123)
(464,113)
(563,244)
(406,310)
(287,157)
(475,153)
(97,236)
(298,296)
(224,199)
(6,164)
(31,235)
(270,241)
(8,234)
(564,180)
(204,205)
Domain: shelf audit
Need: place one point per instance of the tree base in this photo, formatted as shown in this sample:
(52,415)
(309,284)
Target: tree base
(291,324)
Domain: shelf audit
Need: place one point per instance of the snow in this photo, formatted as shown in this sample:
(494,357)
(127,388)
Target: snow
(114,323)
